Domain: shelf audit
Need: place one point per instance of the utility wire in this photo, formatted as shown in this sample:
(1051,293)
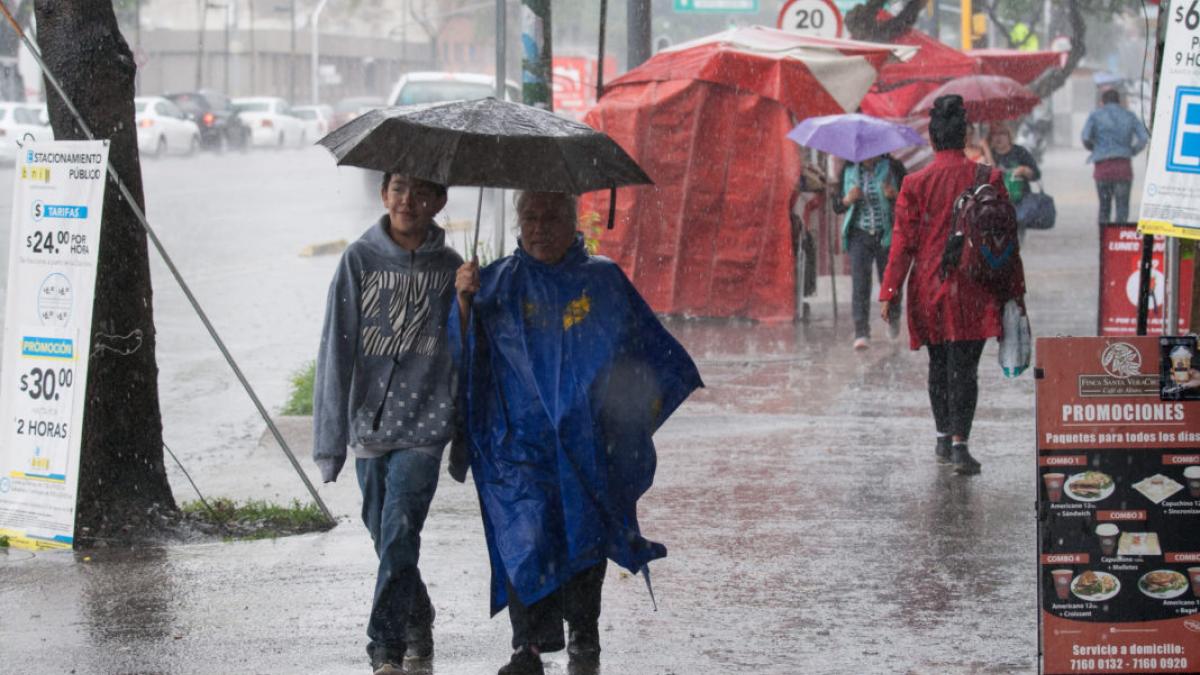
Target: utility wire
(203,501)
(137,211)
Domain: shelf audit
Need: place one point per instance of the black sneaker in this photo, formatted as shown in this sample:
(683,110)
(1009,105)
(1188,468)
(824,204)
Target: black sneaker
(942,450)
(419,639)
(584,645)
(964,463)
(386,659)
(524,661)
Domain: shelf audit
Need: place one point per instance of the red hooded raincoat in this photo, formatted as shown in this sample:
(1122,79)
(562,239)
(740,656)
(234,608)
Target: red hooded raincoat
(940,311)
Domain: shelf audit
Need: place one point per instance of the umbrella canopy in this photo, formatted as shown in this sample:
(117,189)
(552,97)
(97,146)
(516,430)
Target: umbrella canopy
(810,76)
(852,136)
(988,98)
(486,143)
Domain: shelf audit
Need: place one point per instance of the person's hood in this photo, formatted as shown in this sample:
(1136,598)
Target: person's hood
(575,254)
(378,239)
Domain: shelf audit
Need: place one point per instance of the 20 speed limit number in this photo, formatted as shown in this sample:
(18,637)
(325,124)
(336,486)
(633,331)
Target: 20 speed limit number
(814,18)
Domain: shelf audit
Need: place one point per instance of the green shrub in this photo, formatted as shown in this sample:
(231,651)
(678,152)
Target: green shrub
(300,399)
(3,541)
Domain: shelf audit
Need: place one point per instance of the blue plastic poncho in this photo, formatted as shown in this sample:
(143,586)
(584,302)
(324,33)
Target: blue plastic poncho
(568,375)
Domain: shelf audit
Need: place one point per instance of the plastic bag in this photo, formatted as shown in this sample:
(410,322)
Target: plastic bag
(1016,344)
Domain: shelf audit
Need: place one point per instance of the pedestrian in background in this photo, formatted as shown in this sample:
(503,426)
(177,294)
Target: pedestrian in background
(869,190)
(569,373)
(953,316)
(1019,166)
(1113,135)
(383,388)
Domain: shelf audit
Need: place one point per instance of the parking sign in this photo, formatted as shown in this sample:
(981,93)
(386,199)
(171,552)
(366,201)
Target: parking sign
(1171,195)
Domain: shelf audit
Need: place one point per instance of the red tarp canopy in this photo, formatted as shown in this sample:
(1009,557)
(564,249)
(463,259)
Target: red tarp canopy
(708,121)
(902,85)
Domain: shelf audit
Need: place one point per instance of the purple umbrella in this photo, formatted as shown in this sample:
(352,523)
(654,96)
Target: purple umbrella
(853,136)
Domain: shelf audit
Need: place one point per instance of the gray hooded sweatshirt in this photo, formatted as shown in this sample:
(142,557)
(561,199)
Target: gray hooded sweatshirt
(384,369)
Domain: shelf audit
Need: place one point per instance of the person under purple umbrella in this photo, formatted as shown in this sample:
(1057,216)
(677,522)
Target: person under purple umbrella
(870,181)
(869,190)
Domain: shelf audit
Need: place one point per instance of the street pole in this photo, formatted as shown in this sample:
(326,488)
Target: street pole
(253,55)
(202,7)
(538,56)
(501,95)
(600,50)
(228,22)
(965,24)
(937,24)
(637,21)
(316,50)
(292,60)
(1143,311)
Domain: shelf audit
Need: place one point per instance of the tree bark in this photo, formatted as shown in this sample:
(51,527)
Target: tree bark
(1048,83)
(123,487)
(863,21)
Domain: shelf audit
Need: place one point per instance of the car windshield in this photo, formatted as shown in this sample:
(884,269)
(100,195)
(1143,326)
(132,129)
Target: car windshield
(436,91)
(139,106)
(190,103)
(253,106)
(305,114)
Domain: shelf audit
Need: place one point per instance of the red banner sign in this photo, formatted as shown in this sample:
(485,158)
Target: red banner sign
(1120,260)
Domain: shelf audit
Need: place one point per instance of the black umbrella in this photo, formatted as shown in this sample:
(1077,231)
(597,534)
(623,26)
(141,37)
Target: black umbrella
(488,143)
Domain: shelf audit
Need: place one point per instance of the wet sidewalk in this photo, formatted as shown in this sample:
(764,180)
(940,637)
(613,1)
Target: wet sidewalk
(809,529)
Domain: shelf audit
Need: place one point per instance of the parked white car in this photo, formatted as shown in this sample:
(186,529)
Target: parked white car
(271,122)
(164,129)
(316,120)
(20,122)
(436,87)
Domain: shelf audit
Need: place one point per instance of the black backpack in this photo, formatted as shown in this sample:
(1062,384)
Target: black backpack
(983,241)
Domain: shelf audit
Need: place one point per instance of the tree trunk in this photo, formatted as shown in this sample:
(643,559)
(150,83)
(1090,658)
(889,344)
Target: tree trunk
(123,486)
(863,21)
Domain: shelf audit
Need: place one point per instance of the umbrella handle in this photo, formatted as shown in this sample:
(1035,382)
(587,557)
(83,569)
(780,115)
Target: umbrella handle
(478,215)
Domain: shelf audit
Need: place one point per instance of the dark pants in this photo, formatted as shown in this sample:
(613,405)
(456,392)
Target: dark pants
(577,601)
(954,385)
(397,489)
(866,252)
(1108,191)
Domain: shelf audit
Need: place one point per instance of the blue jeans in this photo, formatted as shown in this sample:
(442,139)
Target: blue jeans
(1108,191)
(397,489)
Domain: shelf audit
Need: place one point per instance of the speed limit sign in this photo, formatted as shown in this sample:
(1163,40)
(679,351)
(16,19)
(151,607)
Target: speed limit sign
(815,18)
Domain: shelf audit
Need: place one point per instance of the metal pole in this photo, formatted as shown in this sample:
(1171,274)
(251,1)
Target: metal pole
(203,10)
(316,49)
(965,24)
(600,51)
(253,54)
(1171,298)
(1143,308)
(637,21)
(292,59)
(937,24)
(501,94)
(228,23)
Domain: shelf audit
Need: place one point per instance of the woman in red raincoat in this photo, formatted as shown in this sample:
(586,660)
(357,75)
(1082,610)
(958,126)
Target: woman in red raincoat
(952,317)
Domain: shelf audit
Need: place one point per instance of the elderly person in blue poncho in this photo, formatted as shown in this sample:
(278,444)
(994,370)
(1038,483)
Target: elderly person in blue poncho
(567,374)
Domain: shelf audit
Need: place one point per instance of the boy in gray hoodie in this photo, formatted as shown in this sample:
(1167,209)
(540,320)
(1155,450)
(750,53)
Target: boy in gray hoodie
(383,389)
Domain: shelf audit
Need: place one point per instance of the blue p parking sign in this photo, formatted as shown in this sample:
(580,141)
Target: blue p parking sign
(1183,154)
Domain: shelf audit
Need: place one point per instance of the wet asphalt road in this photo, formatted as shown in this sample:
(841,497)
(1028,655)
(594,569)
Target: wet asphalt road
(809,529)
